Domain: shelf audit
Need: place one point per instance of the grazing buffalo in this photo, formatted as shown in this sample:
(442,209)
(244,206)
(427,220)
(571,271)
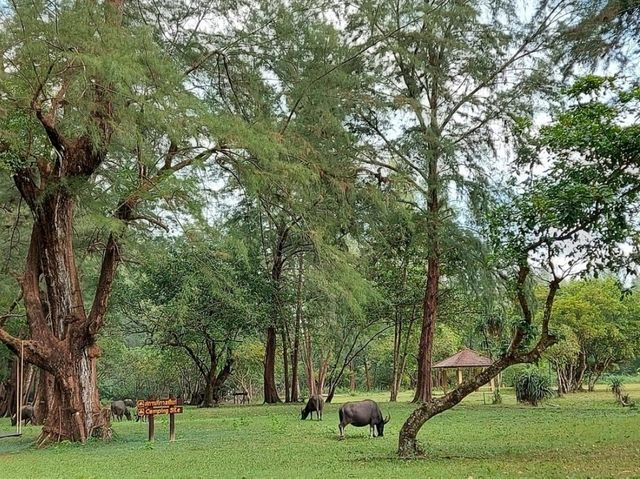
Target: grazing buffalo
(362,413)
(129,403)
(27,415)
(315,403)
(118,410)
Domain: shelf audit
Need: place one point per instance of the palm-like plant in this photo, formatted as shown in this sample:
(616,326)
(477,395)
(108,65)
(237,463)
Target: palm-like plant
(532,386)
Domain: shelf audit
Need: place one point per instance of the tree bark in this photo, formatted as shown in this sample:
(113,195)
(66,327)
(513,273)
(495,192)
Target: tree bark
(270,391)
(425,351)
(408,445)
(285,362)
(352,378)
(408,439)
(295,352)
(8,388)
(367,379)
(215,381)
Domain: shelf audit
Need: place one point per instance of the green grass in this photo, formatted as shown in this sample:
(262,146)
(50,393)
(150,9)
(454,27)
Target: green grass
(581,435)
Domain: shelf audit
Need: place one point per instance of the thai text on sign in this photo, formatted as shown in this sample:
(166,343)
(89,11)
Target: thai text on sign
(158,406)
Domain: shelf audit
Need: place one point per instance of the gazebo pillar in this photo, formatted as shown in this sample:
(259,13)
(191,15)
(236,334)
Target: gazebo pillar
(444,380)
(459,376)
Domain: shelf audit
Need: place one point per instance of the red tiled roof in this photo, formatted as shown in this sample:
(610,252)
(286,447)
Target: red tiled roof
(467,358)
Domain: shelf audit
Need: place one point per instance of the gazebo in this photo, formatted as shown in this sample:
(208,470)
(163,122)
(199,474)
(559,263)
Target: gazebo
(465,359)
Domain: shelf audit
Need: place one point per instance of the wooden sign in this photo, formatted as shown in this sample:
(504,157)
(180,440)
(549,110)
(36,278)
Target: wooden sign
(158,406)
(151,407)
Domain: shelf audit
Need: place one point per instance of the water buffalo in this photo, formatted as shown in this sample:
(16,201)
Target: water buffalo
(362,413)
(118,409)
(129,403)
(315,403)
(27,415)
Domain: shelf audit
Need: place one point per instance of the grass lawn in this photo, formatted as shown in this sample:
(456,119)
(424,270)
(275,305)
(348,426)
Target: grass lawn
(581,435)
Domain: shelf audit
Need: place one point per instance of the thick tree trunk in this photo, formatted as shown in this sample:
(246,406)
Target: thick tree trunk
(408,442)
(73,405)
(63,336)
(215,381)
(270,391)
(39,401)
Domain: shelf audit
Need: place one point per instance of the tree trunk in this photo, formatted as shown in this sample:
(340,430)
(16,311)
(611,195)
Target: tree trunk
(582,367)
(397,343)
(425,351)
(215,380)
(408,445)
(322,373)
(285,362)
(367,379)
(8,388)
(352,378)
(270,391)
(73,405)
(295,382)
(430,303)
(63,336)
(45,381)
(332,392)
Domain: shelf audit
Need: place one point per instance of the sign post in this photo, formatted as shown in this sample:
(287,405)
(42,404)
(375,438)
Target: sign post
(152,407)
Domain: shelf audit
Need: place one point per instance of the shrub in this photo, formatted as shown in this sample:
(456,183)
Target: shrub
(615,383)
(532,386)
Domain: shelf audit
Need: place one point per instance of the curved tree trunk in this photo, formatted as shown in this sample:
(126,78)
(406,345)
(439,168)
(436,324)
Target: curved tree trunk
(408,445)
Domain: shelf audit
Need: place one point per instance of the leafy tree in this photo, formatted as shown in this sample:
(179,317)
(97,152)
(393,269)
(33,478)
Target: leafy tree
(202,296)
(574,214)
(602,322)
(444,77)
(97,119)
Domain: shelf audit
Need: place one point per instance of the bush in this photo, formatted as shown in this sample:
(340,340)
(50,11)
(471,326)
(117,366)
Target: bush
(532,386)
(510,374)
(615,383)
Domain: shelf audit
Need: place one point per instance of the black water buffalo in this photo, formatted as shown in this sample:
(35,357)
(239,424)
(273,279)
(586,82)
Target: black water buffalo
(129,403)
(27,415)
(118,410)
(362,413)
(315,403)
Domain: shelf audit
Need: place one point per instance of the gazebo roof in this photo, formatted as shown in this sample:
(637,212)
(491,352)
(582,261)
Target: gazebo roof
(467,358)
